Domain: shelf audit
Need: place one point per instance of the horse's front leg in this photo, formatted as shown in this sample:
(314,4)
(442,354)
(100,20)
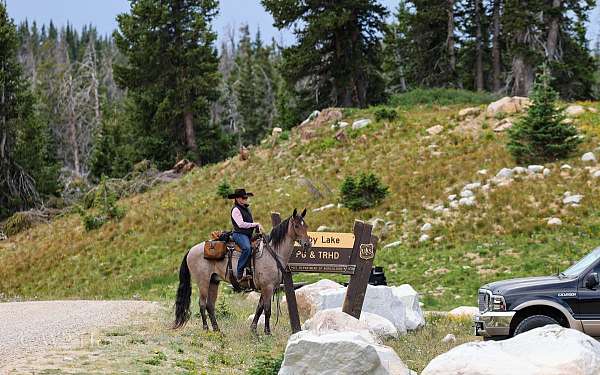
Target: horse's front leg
(259,311)
(266,298)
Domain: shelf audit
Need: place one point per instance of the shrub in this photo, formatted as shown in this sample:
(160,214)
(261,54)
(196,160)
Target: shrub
(224,189)
(362,192)
(266,364)
(441,97)
(17,223)
(285,135)
(540,135)
(102,208)
(385,113)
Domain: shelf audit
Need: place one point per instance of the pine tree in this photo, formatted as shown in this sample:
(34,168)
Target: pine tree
(171,74)
(338,51)
(541,136)
(25,152)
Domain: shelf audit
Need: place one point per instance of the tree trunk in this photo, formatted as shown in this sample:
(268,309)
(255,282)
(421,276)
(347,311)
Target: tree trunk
(3,117)
(450,39)
(479,48)
(190,133)
(523,75)
(552,41)
(496,63)
(73,140)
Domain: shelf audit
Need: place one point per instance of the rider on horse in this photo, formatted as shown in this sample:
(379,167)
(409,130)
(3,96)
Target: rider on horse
(243,228)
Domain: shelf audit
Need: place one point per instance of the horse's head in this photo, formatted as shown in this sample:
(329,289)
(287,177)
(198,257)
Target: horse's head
(299,229)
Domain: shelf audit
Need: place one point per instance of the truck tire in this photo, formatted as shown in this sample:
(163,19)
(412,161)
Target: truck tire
(534,321)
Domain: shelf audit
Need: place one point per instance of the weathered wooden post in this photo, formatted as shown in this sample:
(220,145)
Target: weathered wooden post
(288,283)
(362,257)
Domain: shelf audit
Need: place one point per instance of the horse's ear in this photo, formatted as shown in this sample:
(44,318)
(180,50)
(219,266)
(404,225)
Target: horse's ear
(295,213)
(303,213)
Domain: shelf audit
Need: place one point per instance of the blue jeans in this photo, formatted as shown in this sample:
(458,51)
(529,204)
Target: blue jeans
(244,242)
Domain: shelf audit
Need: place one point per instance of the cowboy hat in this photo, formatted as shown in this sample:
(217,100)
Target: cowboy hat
(238,193)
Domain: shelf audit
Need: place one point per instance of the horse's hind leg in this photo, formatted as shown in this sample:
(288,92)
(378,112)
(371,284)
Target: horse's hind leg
(259,311)
(213,292)
(203,302)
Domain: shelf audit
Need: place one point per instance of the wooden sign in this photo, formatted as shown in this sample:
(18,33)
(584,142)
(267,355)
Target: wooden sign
(329,253)
(345,253)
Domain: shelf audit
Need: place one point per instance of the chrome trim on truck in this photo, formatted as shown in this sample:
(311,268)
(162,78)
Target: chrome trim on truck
(493,323)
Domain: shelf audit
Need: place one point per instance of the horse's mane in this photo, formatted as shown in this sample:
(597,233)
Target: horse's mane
(279,232)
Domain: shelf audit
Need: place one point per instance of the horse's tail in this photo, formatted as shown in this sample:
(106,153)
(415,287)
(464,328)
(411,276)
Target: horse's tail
(184,294)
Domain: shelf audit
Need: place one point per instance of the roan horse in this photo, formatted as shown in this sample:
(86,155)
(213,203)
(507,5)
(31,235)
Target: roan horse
(267,277)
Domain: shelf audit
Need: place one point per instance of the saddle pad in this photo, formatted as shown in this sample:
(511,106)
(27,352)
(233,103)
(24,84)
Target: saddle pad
(215,250)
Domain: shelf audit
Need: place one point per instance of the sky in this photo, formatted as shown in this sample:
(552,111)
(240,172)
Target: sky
(102,13)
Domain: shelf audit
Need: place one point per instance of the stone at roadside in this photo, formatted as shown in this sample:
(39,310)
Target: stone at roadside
(333,320)
(535,168)
(548,350)
(468,112)
(426,227)
(574,111)
(449,338)
(359,124)
(507,105)
(554,221)
(410,298)
(589,157)
(393,244)
(463,312)
(434,130)
(573,199)
(424,238)
(340,353)
(323,228)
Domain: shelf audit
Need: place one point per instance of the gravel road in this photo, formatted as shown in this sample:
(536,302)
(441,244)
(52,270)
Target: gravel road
(28,328)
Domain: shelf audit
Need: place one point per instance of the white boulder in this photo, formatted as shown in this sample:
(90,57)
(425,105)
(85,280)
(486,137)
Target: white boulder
(340,353)
(507,105)
(426,227)
(573,199)
(359,124)
(393,244)
(554,221)
(535,168)
(468,112)
(574,110)
(520,170)
(326,207)
(424,238)
(434,130)
(451,197)
(472,186)
(469,201)
(466,193)
(410,299)
(565,167)
(549,350)
(323,228)
(546,172)
(308,296)
(464,312)
(482,172)
(449,338)
(334,320)
(505,173)
(589,156)
(596,174)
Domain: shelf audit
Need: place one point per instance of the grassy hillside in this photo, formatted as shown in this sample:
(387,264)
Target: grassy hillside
(505,235)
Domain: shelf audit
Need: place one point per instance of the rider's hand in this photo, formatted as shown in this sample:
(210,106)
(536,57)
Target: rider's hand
(260,228)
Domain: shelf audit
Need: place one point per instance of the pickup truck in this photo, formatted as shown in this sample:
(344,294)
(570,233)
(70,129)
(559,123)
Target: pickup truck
(570,299)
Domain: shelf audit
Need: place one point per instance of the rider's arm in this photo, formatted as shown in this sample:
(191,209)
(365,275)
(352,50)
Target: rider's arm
(239,220)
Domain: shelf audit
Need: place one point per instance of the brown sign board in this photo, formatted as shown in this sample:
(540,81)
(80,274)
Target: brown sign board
(330,253)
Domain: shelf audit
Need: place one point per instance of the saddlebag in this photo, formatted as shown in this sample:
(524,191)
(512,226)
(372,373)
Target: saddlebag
(215,250)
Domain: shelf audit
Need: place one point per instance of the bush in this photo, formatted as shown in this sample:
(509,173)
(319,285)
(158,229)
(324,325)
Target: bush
(441,97)
(102,207)
(266,365)
(385,113)
(362,192)
(540,135)
(224,189)
(17,223)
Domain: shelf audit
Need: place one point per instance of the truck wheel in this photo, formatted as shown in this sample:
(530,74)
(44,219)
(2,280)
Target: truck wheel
(534,321)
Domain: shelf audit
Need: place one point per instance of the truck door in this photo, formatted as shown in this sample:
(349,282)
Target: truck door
(588,309)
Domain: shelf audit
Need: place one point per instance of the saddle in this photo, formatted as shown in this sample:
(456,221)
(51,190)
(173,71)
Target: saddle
(221,242)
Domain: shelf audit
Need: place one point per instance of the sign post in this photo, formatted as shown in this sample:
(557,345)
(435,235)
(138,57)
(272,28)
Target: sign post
(342,253)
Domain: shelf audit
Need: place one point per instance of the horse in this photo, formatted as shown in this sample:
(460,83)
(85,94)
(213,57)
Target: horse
(269,262)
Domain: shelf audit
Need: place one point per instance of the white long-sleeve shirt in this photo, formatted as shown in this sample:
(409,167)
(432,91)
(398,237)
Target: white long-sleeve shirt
(239,220)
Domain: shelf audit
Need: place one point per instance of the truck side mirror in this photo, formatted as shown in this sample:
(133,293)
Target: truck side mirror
(592,281)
